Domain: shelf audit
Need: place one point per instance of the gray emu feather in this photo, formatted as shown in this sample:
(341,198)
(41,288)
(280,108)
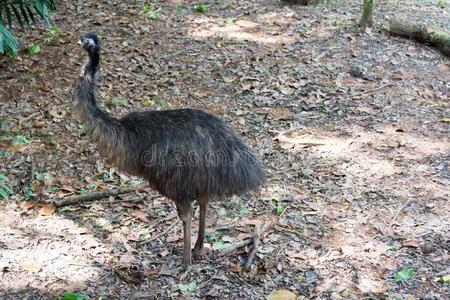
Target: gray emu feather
(185,154)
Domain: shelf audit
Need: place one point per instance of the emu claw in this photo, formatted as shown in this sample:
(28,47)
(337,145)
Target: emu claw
(198,254)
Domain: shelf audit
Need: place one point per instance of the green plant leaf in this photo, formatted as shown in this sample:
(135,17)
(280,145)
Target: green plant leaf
(73,296)
(18,16)
(119,102)
(219,245)
(6,188)
(191,287)
(21,139)
(4,194)
(33,49)
(201,8)
(24,15)
(3,177)
(404,275)
(443,279)
(8,43)
(243,211)
(8,16)
(30,13)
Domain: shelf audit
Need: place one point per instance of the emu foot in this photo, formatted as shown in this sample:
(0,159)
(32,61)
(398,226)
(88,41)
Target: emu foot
(198,254)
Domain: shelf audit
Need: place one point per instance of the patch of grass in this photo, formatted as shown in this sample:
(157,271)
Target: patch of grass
(150,12)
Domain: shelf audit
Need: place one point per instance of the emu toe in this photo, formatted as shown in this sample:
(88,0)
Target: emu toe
(198,254)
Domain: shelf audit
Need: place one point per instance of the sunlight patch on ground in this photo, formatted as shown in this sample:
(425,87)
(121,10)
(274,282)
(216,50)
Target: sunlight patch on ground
(243,30)
(50,254)
(367,155)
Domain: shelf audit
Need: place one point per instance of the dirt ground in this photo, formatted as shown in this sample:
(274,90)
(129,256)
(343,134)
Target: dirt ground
(352,126)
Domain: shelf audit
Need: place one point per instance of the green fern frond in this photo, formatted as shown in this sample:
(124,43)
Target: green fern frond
(23,12)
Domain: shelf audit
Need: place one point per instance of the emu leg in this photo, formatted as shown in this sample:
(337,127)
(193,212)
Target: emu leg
(185,214)
(198,248)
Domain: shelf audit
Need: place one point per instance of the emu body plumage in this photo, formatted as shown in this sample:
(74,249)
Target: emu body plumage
(185,154)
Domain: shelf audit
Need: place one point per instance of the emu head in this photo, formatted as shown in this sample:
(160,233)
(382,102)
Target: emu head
(90,42)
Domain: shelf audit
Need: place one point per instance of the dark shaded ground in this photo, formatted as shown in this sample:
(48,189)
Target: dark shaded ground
(352,127)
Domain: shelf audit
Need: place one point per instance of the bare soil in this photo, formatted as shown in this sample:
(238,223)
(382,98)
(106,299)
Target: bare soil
(353,128)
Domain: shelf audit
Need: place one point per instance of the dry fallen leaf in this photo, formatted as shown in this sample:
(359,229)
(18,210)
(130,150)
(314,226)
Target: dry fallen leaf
(139,214)
(31,267)
(390,264)
(28,204)
(150,272)
(237,268)
(282,295)
(411,243)
(47,210)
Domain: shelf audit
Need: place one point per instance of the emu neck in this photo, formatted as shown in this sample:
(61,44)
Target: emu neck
(105,130)
(91,66)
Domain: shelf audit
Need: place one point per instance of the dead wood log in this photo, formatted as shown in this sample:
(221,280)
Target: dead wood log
(96,195)
(435,37)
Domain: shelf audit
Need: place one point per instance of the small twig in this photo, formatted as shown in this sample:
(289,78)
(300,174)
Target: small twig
(399,210)
(23,120)
(157,221)
(290,230)
(96,195)
(363,93)
(160,234)
(32,171)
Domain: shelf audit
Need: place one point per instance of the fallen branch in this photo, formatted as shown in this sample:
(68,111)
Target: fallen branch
(244,243)
(96,195)
(252,254)
(166,231)
(234,247)
(436,37)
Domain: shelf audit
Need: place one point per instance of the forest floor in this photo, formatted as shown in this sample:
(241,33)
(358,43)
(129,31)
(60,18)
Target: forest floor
(352,126)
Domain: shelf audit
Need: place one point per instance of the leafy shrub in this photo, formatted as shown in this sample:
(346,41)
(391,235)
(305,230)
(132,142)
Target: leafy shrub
(24,13)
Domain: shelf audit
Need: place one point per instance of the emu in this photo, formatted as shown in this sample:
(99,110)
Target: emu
(184,154)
